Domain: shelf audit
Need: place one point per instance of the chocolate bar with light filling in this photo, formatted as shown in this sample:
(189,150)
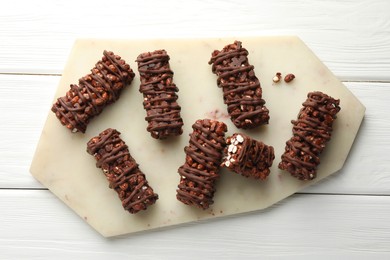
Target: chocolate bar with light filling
(248,157)
(121,170)
(199,173)
(242,92)
(311,131)
(94,92)
(160,98)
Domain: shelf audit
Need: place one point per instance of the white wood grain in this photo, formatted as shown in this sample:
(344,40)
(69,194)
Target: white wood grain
(36,225)
(26,100)
(346,35)
(350,37)
(24,104)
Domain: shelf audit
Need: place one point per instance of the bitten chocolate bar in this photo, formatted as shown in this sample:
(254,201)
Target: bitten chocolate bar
(248,157)
(160,98)
(311,131)
(203,158)
(121,170)
(93,93)
(242,92)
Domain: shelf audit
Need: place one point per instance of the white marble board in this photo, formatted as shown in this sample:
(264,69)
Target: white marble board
(62,164)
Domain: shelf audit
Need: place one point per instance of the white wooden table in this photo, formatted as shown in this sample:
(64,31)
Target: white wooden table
(345,216)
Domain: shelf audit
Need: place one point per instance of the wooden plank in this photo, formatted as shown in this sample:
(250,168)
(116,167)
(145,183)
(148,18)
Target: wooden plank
(303,226)
(351,38)
(26,101)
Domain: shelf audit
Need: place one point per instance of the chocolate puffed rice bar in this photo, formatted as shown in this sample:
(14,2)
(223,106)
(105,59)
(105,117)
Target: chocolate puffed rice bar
(160,98)
(121,170)
(94,92)
(311,131)
(204,154)
(242,92)
(248,157)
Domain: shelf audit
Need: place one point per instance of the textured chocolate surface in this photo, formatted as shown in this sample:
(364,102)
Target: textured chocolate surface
(248,157)
(311,131)
(122,171)
(242,92)
(203,158)
(93,93)
(160,98)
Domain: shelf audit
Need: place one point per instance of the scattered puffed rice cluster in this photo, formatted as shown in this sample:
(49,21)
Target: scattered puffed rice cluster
(288,78)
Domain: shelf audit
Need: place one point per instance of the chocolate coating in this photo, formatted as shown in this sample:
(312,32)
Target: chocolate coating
(93,93)
(199,173)
(248,157)
(242,92)
(160,98)
(121,170)
(311,131)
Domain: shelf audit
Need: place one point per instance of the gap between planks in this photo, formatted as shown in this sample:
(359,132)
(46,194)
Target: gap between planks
(29,74)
